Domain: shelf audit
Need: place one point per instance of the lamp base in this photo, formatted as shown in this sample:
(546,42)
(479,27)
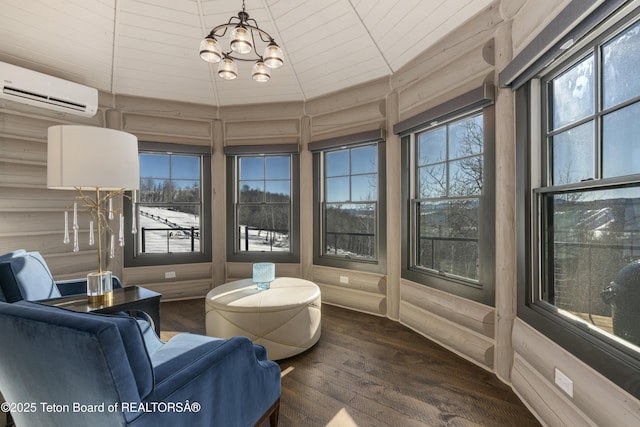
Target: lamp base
(99,288)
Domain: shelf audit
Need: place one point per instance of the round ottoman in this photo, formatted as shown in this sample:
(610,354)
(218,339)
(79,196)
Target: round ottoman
(285,319)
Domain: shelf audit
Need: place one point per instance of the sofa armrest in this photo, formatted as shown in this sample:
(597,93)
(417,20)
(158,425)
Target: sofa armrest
(231,385)
(175,356)
(151,341)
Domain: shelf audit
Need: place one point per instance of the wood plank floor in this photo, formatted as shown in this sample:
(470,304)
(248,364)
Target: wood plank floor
(371,371)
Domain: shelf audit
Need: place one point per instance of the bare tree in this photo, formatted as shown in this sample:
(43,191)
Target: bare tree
(450,192)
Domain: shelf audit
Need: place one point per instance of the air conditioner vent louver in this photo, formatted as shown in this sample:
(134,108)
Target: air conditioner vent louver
(43,98)
(33,88)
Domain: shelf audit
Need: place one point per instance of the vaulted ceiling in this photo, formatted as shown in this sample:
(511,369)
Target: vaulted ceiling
(150,47)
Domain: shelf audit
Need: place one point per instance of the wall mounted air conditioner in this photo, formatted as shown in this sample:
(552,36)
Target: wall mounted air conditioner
(33,88)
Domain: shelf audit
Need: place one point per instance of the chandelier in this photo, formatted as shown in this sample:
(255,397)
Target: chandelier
(244,32)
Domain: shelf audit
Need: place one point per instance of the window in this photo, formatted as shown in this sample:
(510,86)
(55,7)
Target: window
(446,197)
(172,207)
(577,124)
(263,207)
(590,198)
(350,201)
(448,186)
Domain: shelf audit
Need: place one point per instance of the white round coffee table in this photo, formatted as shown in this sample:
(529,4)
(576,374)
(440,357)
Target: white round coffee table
(285,319)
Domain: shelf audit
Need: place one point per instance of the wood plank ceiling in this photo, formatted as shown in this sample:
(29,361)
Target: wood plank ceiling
(150,47)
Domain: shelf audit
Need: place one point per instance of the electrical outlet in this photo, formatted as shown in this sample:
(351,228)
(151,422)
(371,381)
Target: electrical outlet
(170,275)
(344,279)
(564,382)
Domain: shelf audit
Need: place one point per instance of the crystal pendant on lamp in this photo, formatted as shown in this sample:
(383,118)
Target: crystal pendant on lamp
(273,56)
(240,40)
(260,72)
(210,50)
(227,69)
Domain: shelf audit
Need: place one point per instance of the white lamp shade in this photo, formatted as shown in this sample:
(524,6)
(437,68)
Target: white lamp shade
(88,157)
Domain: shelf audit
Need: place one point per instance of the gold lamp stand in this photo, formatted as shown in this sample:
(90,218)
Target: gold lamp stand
(100,283)
(93,158)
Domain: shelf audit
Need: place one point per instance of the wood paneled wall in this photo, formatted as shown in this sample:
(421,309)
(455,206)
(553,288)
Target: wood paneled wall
(366,292)
(244,270)
(595,402)
(462,326)
(31,216)
(190,279)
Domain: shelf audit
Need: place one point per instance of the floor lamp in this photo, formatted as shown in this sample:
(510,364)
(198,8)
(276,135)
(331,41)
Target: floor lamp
(100,164)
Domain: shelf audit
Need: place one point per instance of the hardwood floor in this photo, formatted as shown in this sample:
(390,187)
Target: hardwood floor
(371,371)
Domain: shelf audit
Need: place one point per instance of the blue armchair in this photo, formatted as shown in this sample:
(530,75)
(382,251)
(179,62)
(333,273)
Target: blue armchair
(77,369)
(26,276)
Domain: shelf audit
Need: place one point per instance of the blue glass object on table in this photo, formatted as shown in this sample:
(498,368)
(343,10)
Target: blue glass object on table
(263,274)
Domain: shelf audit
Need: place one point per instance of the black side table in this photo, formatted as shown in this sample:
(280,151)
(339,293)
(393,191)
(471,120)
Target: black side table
(128,298)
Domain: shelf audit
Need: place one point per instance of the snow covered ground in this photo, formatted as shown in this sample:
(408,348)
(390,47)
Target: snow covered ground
(263,241)
(168,240)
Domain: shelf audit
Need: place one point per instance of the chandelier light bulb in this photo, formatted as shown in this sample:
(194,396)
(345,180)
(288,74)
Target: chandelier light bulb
(241,40)
(273,56)
(260,72)
(227,69)
(210,50)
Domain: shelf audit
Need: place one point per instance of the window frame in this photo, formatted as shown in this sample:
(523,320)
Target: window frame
(131,258)
(483,289)
(415,200)
(319,149)
(232,156)
(611,359)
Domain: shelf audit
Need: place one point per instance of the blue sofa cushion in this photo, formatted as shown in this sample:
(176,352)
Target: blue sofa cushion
(5,270)
(166,360)
(18,252)
(25,275)
(132,341)
(3,258)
